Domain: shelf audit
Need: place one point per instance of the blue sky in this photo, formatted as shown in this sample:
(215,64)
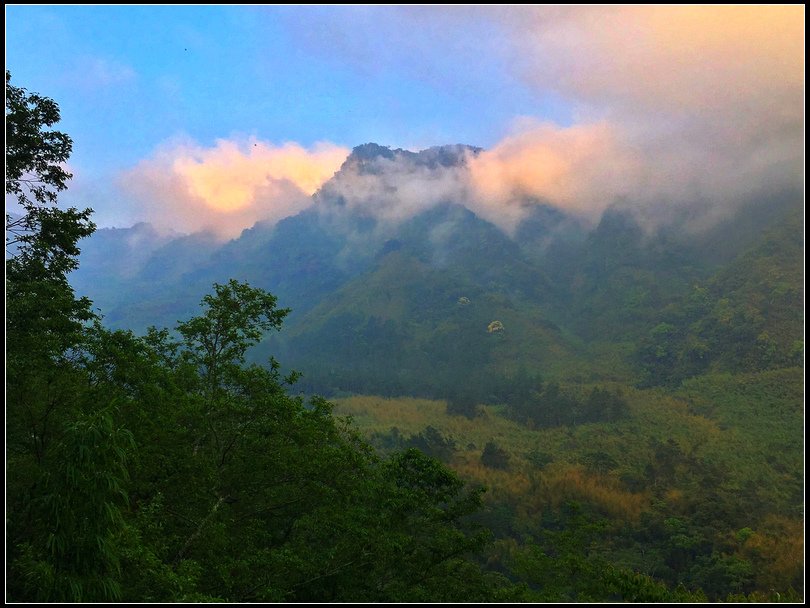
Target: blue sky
(573,103)
(128,78)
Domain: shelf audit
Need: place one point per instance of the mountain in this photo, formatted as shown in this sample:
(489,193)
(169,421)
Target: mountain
(747,316)
(418,317)
(395,283)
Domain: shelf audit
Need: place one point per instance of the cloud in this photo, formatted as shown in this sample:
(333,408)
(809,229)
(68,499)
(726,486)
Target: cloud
(674,104)
(582,168)
(677,59)
(230,186)
(673,107)
(393,190)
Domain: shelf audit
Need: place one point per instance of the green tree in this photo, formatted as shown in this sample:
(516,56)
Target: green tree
(82,495)
(462,402)
(44,319)
(235,318)
(244,493)
(166,468)
(430,441)
(66,453)
(35,174)
(494,456)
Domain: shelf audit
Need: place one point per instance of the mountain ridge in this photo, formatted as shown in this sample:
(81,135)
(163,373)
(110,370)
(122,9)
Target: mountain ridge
(565,291)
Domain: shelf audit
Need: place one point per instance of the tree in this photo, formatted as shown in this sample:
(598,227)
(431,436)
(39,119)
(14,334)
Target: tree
(81,499)
(494,456)
(35,174)
(430,441)
(462,402)
(43,316)
(44,319)
(235,318)
(66,453)
(244,493)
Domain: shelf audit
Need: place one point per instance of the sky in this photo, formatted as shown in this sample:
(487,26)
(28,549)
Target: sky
(215,117)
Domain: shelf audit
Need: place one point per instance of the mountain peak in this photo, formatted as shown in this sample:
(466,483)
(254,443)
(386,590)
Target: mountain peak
(451,155)
(366,158)
(371,151)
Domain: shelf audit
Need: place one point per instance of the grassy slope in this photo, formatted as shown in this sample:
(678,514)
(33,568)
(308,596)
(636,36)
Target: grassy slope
(746,427)
(653,415)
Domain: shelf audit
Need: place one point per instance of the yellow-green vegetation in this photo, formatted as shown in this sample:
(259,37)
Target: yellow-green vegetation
(761,417)
(653,414)
(732,492)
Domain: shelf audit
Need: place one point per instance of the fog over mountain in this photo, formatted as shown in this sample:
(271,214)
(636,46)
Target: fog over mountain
(385,249)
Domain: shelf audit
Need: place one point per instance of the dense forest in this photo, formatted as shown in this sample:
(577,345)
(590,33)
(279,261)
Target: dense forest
(572,414)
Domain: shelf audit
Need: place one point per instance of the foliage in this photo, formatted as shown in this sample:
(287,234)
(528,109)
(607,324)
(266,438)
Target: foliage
(747,317)
(238,492)
(66,455)
(529,401)
(673,482)
(35,174)
(83,496)
(463,403)
(274,485)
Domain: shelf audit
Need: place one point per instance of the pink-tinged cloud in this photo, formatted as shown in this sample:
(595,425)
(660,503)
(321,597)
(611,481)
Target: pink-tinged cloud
(582,168)
(674,105)
(231,186)
(671,59)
